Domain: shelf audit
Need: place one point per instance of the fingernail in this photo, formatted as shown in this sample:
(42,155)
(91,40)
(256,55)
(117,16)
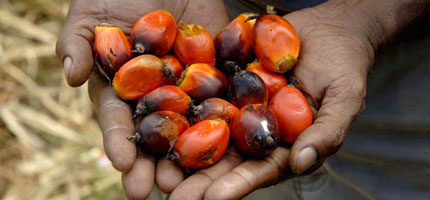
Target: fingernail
(307,157)
(67,63)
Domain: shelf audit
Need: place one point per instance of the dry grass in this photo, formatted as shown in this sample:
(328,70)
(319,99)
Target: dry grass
(50,144)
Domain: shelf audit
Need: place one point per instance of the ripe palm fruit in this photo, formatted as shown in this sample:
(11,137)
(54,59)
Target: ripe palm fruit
(194,44)
(175,66)
(164,98)
(234,42)
(213,108)
(139,76)
(201,145)
(277,44)
(158,131)
(201,81)
(293,112)
(273,81)
(154,33)
(247,88)
(112,48)
(255,130)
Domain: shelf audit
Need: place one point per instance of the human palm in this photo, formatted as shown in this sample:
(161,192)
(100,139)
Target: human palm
(331,71)
(74,49)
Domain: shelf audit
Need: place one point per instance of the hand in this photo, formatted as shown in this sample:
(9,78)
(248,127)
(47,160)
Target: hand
(74,48)
(332,70)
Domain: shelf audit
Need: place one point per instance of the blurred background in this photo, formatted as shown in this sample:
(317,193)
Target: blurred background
(51,146)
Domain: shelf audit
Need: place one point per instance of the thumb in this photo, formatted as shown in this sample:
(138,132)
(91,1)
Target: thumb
(343,102)
(74,49)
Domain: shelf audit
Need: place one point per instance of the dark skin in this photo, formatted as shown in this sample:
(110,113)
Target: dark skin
(339,41)
(74,48)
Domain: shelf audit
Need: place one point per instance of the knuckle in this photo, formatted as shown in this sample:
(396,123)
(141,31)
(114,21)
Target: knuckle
(113,105)
(276,168)
(333,139)
(204,175)
(243,178)
(356,88)
(116,128)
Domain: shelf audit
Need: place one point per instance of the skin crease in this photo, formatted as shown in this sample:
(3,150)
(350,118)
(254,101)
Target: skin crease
(75,43)
(337,52)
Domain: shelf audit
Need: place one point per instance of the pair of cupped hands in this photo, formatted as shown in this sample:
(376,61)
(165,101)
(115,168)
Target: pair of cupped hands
(332,69)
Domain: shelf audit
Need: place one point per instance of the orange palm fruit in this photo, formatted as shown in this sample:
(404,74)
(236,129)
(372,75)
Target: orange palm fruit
(201,81)
(164,98)
(234,42)
(255,130)
(139,76)
(247,88)
(201,145)
(293,112)
(158,131)
(112,48)
(175,66)
(276,43)
(273,81)
(154,33)
(213,108)
(194,44)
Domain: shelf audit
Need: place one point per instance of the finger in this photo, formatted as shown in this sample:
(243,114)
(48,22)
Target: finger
(115,120)
(194,187)
(74,47)
(139,181)
(343,102)
(250,175)
(168,175)
(213,16)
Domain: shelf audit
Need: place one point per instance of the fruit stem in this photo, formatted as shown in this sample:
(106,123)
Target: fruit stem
(139,49)
(268,143)
(270,9)
(168,73)
(232,67)
(192,108)
(294,81)
(173,156)
(252,17)
(100,69)
(249,107)
(182,77)
(135,137)
(140,109)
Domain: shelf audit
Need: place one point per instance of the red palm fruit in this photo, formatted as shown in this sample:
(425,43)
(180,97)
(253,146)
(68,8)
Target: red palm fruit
(273,81)
(277,44)
(154,33)
(164,98)
(293,112)
(255,130)
(139,76)
(194,44)
(201,145)
(213,108)
(112,48)
(175,66)
(234,42)
(158,131)
(201,81)
(247,88)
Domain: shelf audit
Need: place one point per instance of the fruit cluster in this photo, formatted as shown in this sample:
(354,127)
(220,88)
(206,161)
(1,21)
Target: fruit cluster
(233,85)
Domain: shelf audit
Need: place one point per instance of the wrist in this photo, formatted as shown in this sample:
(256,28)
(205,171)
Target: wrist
(339,18)
(378,21)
